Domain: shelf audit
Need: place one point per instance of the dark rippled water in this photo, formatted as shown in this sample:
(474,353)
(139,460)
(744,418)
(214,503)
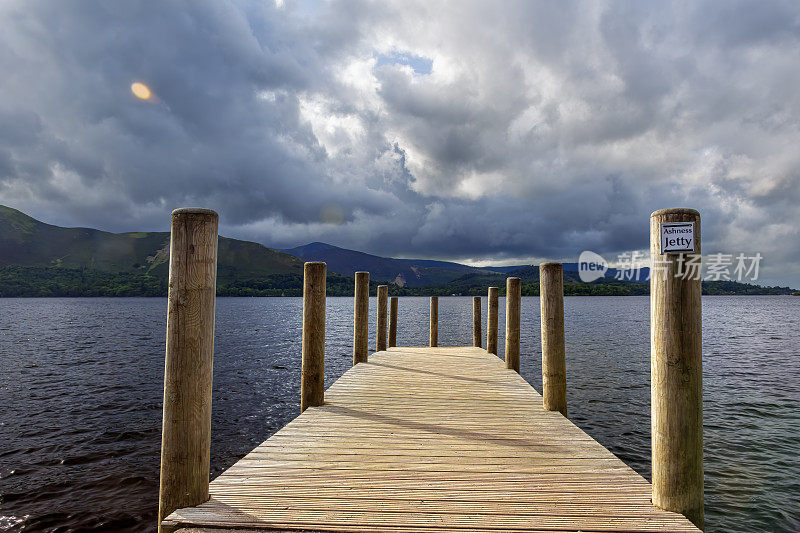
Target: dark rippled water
(81,385)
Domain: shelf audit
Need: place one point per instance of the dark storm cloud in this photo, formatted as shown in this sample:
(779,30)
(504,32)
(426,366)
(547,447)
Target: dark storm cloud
(207,137)
(470,130)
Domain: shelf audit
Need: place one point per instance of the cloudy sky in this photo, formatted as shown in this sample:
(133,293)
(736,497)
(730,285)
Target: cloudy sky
(476,131)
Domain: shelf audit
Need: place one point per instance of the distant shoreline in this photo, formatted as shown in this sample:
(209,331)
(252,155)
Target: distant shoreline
(373,295)
(36,281)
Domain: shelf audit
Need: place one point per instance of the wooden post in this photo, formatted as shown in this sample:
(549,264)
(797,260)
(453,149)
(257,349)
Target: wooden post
(434,333)
(312,379)
(383,296)
(491,321)
(361,319)
(186,430)
(513,311)
(392,321)
(676,383)
(554,369)
(476,321)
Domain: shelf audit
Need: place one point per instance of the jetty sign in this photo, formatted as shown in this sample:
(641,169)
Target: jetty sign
(677,237)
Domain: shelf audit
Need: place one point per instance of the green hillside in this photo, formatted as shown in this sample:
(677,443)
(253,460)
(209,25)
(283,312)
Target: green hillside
(24,241)
(27,242)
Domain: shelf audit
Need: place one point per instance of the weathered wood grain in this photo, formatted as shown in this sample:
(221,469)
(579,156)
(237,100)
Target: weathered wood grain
(381,338)
(361,318)
(312,378)
(433,335)
(477,336)
(676,364)
(493,308)
(392,321)
(431,440)
(554,368)
(513,315)
(188,369)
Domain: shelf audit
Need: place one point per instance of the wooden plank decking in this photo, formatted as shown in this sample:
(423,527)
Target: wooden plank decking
(429,440)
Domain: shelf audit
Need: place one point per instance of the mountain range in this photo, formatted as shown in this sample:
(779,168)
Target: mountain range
(40,259)
(27,242)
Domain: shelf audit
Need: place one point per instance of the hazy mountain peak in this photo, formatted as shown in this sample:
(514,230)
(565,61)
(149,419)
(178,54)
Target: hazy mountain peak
(309,248)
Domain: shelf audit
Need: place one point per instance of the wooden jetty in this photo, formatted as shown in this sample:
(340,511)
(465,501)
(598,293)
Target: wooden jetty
(411,439)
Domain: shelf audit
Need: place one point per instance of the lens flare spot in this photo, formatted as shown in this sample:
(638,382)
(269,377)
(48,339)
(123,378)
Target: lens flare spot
(141,91)
(331,214)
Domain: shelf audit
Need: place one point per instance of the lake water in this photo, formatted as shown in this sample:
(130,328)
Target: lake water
(81,383)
